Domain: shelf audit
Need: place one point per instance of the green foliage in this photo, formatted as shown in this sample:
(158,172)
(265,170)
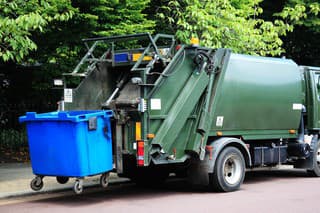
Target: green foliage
(19,18)
(55,27)
(60,46)
(302,44)
(13,139)
(231,24)
(120,17)
(302,12)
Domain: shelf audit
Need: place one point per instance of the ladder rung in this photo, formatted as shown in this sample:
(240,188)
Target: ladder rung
(75,74)
(139,69)
(97,60)
(147,85)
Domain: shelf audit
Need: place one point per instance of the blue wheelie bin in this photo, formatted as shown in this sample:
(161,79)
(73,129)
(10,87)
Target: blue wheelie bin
(69,144)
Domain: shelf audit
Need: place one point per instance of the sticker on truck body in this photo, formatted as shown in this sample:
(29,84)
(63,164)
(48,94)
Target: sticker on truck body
(219,121)
(68,98)
(155,104)
(297,106)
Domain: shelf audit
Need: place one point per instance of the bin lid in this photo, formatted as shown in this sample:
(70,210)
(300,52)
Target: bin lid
(73,116)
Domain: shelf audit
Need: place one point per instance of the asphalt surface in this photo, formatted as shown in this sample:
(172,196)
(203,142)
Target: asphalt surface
(15,181)
(280,191)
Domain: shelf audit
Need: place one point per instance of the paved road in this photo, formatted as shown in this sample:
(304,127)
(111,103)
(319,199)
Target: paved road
(269,192)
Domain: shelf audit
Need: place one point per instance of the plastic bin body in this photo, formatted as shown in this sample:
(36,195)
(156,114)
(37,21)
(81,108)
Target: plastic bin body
(62,144)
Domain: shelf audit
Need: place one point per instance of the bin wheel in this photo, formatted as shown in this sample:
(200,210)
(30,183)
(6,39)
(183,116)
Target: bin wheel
(104,179)
(78,186)
(62,179)
(36,183)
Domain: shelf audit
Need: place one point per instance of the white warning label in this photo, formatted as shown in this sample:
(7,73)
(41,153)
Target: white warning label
(297,106)
(219,121)
(155,104)
(68,95)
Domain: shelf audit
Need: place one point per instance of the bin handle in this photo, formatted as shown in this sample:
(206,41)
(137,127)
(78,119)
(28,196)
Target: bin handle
(107,131)
(109,113)
(82,117)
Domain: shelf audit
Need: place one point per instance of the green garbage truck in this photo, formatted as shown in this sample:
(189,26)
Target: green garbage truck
(206,114)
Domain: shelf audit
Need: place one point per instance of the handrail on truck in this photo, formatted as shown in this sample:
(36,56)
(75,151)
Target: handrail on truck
(113,40)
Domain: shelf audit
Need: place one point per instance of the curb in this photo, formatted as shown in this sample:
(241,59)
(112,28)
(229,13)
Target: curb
(113,182)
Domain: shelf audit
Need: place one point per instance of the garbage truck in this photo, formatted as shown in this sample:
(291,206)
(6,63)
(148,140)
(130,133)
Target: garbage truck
(206,114)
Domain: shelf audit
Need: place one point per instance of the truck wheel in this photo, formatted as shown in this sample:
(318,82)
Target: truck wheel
(316,162)
(229,171)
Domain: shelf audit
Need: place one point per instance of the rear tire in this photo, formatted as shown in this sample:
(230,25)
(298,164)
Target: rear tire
(315,172)
(229,171)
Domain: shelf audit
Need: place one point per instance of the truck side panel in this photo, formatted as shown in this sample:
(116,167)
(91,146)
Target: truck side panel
(258,96)
(312,77)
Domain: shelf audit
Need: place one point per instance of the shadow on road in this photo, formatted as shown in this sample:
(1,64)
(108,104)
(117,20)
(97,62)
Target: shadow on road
(131,192)
(264,176)
(117,193)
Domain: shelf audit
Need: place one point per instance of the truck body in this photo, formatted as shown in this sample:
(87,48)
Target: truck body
(208,114)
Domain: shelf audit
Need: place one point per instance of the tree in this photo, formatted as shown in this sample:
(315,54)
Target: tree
(302,44)
(122,17)
(303,13)
(19,18)
(231,24)
(60,45)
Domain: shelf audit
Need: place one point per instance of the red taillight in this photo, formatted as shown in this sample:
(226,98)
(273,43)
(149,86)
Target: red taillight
(210,150)
(140,153)
(178,47)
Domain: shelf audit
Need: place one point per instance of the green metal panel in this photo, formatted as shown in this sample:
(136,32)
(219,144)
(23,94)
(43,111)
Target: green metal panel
(199,141)
(179,94)
(258,93)
(180,110)
(168,87)
(312,75)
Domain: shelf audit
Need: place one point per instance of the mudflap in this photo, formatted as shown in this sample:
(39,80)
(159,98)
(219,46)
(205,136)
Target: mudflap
(198,172)
(308,163)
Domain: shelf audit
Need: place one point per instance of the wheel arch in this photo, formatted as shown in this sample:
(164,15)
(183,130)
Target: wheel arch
(214,148)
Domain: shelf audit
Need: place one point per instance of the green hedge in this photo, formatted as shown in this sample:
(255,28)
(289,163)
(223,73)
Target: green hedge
(13,139)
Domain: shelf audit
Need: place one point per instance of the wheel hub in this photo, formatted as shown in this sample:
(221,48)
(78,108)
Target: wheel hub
(232,169)
(318,156)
